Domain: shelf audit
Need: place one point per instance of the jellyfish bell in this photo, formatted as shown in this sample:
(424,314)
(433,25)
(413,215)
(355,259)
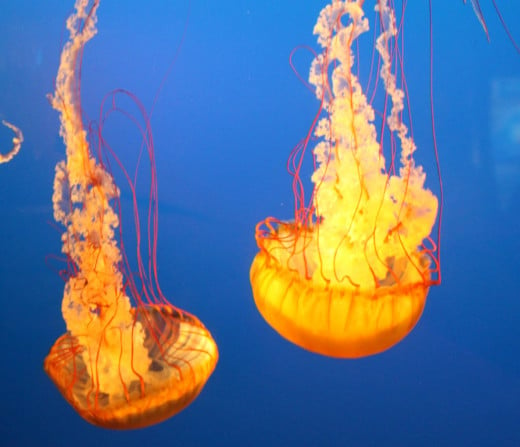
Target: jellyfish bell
(350,275)
(129,358)
(113,387)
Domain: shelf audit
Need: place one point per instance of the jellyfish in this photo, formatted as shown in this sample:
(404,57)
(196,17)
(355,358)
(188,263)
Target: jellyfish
(349,276)
(17,143)
(128,358)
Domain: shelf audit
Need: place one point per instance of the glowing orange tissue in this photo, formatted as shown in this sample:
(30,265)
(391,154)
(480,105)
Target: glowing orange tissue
(129,358)
(17,143)
(350,275)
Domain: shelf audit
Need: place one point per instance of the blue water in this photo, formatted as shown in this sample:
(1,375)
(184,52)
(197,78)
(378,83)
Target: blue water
(224,124)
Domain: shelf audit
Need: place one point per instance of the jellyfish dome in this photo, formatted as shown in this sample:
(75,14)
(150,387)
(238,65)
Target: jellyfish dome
(128,358)
(350,275)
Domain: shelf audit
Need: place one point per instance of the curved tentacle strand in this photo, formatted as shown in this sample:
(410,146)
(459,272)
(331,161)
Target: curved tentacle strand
(17,143)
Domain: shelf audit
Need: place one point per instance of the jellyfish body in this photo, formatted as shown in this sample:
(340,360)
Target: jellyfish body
(349,277)
(119,365)
(118,391)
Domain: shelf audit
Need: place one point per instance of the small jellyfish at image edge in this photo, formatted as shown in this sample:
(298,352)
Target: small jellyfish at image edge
(129,358)
(17,143)
(349,276)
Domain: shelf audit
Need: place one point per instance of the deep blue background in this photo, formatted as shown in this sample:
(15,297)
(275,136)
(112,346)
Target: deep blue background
(224,124)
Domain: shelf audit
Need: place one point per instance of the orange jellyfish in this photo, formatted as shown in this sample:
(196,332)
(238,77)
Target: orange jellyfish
(129,358)
(350,275)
